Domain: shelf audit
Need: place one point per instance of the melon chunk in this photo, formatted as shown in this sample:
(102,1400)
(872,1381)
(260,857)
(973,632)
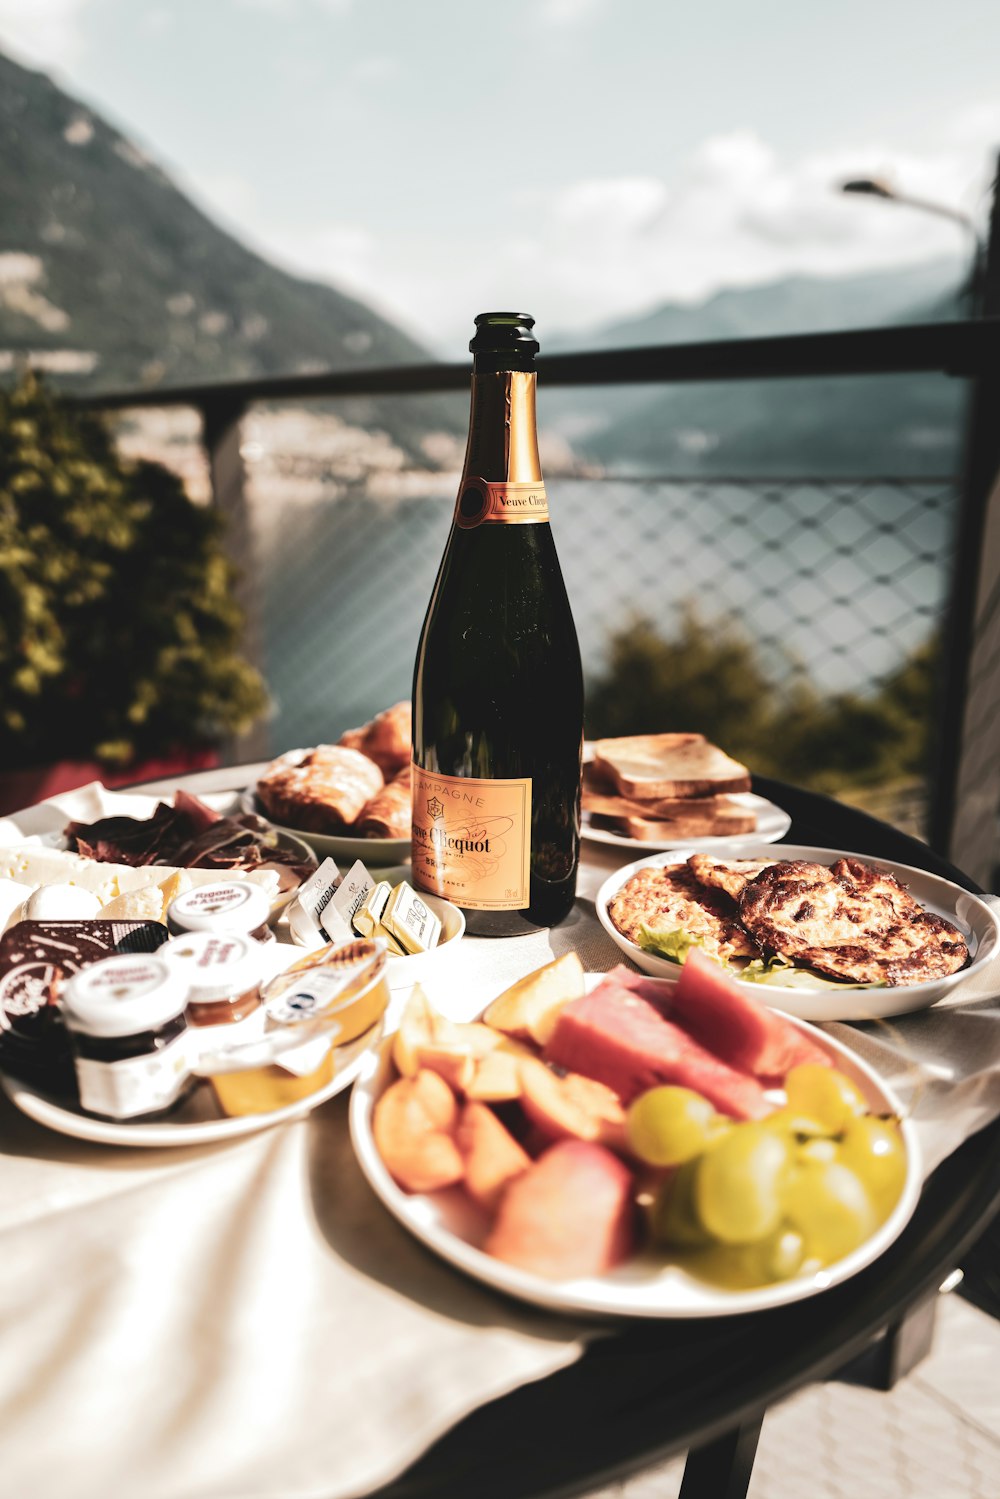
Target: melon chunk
(492,1156)
(570,1214)
(412,1124)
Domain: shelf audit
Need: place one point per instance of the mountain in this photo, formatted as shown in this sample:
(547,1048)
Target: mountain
(113,278)
(903,424)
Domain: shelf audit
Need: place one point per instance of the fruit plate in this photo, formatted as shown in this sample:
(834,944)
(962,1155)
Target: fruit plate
(647,1286)
(772,823)
(976,920)
(374,853)
(195,1121)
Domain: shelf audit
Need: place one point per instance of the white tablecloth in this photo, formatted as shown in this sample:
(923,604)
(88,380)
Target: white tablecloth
(245,1321)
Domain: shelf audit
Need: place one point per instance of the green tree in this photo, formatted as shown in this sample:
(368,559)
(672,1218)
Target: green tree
(709,677)
(118,630)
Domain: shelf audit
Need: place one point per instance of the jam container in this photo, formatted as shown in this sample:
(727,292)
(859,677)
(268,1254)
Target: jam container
(221,972)
(222,906)
(342,988)
(130,1038)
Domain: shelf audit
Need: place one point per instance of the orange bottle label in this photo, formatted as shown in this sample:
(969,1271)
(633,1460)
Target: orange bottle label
(481,503)
(472,840)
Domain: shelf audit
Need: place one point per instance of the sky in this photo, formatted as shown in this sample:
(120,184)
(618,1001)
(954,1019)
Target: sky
(581,160)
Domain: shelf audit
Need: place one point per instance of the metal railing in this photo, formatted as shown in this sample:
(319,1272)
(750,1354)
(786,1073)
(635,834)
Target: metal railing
(919,555)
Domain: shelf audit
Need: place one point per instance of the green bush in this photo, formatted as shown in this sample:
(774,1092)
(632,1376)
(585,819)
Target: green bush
(118,629)
(710,677)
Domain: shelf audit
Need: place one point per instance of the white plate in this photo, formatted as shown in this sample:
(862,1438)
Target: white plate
(977,922)
(374,853)
(194,1121)
(646,1286)
(46,823)
(772,823)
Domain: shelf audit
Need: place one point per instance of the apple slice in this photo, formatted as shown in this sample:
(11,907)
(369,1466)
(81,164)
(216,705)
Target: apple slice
(529,1009)
(571,1107)
(412,1124)
(416,1028)
(492,1156)
(498,1074)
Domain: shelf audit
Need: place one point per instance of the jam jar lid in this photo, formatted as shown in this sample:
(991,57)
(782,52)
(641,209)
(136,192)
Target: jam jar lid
(222,906)
(123,996)
(214,965)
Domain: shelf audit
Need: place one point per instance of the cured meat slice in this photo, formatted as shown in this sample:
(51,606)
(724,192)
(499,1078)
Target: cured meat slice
(670,898)
(621,1039)
(851,921)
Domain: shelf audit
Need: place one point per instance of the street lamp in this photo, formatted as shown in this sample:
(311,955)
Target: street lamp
(877,187)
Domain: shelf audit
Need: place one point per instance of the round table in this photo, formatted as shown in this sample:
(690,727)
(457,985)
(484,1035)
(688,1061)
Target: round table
(648,1390)
(639,1396)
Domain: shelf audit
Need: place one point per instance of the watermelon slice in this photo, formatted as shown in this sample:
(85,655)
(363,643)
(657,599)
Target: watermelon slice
(618,1037)
(728,1019)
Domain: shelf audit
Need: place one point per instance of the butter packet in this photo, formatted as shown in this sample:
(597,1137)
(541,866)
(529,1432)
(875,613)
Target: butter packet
(410,920)
(310,908)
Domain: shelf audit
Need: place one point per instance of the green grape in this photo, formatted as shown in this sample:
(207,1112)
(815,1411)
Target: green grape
(874,1150)
(823,1094)
(738,1184)
(829,1206)
(793,1122)
(668,1126)
(816,1150)
(738,1266)
(673,1218)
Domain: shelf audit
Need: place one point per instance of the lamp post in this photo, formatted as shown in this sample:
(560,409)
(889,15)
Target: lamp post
(877,187)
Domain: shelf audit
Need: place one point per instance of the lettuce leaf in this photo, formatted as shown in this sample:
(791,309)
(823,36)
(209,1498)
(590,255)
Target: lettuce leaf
(674,944)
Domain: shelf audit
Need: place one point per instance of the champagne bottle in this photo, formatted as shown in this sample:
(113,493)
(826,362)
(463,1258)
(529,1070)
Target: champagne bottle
(498,686)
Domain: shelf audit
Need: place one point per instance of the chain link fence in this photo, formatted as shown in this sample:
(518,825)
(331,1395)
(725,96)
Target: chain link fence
(833,585)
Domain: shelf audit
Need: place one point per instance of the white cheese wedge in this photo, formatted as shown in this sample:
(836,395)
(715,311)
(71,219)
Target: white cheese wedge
(61,903)
(136,905)
(28,864)
(12,896)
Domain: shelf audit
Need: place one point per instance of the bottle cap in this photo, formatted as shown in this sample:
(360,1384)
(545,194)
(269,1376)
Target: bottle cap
(123,996)
(222,906)
(503,333)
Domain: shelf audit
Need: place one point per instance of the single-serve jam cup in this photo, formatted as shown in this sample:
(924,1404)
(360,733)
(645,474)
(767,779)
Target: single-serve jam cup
(344,989)
(222,971)
(222,906)
(130,1038)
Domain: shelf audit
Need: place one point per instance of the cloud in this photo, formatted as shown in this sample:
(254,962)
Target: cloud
(42,31)
(292,7)
(736,212)
(567,13)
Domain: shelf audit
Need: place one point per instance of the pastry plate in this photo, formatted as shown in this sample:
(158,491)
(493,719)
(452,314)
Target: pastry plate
(772,823)
(195,1121)
(647,1286)
(375,853)
(976,920)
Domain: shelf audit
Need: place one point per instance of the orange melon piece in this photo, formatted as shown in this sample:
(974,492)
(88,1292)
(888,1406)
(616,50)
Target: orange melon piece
(492,1156)
(413,1124)
(570,1214)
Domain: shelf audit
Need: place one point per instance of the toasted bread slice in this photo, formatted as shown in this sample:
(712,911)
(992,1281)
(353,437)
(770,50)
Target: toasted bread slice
(660,808)
(723,824)
(645,766)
